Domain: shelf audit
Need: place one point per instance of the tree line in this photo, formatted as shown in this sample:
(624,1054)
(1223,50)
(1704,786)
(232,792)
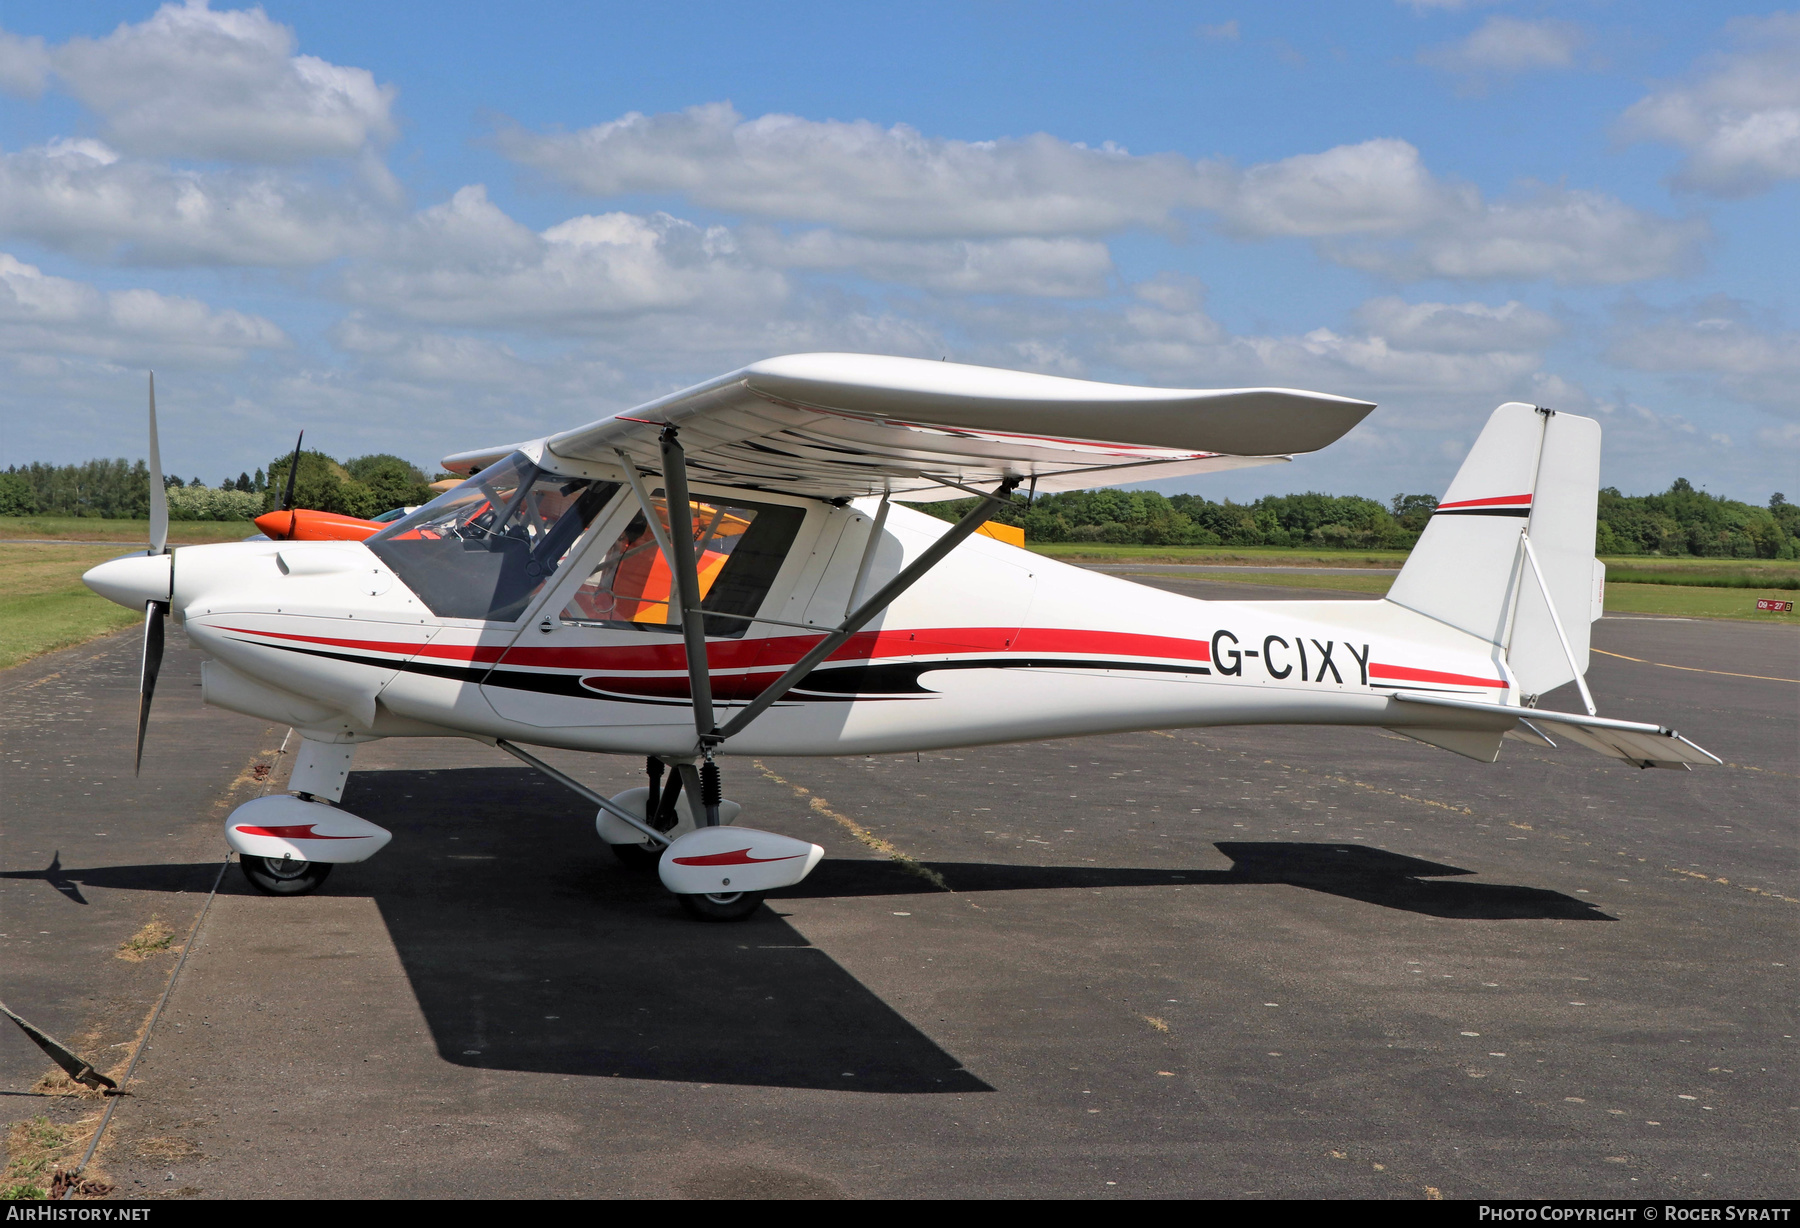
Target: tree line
(1680,521)
(120,489)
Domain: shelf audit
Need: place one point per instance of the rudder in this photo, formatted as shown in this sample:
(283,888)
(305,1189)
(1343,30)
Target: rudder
(1531,471)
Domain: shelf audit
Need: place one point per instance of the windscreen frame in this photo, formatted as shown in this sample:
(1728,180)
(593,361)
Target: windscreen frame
(450,583)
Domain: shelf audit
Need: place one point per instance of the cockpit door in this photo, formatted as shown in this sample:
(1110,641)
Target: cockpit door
(605,648)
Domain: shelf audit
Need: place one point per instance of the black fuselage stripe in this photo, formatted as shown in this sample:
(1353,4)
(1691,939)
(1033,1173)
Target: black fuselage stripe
(832,681)
(1520,512)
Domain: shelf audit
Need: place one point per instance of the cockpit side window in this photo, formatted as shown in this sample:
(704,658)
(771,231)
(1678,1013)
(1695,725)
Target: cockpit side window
(739,548)
(483,549)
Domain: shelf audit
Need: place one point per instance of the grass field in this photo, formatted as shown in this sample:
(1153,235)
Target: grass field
(1270,556)
(43,604)
(1675,601)
(130,532)
(1775,574)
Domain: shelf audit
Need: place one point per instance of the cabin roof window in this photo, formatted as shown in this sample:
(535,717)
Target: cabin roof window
(484,548)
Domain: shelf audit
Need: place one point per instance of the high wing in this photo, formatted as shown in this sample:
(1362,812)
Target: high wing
(846,425)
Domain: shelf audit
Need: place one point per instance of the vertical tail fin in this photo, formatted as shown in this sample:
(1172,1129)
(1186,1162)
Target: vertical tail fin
(1536,472)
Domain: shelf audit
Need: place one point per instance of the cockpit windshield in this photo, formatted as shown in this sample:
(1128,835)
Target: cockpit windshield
(484,548)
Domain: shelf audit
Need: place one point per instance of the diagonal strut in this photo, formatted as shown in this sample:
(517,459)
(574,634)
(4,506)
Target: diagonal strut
(885,596)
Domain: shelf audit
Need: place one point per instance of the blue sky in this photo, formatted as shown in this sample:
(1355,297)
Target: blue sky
(420,230)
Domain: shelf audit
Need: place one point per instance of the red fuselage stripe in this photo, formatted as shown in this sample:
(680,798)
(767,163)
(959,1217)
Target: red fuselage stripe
(778,652)
(485,654)
(1405,673)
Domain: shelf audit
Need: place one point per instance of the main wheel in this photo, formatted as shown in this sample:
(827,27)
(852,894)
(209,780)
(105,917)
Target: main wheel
(724,906)
(284,875)
(636,856)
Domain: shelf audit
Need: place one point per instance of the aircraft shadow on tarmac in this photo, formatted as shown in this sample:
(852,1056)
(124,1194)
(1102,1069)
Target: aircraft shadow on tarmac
(525,955)
(1354,871)
(529,948)
(164,876)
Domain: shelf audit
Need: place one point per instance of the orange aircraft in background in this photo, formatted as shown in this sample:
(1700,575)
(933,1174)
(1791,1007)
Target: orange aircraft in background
(303,524)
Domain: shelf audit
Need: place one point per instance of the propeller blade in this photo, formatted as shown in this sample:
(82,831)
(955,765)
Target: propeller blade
(154,614)
(159,500)
(287,500)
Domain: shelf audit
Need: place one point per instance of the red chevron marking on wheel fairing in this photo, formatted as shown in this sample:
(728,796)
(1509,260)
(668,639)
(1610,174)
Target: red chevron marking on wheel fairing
(302,832)
(1497,501)
(739,858)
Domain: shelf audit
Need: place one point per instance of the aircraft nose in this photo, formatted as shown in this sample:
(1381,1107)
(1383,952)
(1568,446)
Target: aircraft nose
(133,580)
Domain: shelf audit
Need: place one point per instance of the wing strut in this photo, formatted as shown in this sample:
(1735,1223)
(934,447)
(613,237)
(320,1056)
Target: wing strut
(693,617)
(687,584)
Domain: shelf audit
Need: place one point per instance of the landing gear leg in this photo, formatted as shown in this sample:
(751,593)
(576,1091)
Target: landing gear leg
(659,812)
(722,905)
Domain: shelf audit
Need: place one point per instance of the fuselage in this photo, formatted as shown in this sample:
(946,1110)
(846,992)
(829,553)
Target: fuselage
(995,644)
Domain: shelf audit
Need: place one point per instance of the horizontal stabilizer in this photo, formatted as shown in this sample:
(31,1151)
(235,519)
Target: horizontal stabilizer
(1529,734)
(1645,745)
(1483,746)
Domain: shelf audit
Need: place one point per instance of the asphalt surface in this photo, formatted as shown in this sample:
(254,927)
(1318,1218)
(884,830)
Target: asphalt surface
(1244,963)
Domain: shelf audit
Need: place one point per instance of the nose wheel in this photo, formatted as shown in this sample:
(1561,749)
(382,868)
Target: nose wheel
(727,906)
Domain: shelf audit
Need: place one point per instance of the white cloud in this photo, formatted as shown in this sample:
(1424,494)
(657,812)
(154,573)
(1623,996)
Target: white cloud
(24,65)
(430,359)
(1506,45)
(896,183)
(1376,187)
(1052,268)
(1224,32)
(1167,336)
(81,197)
(1560,235)
(1641,439)
(1457,328)
(193,83)
(1780,437)
(1737,116)
(466,262)
(1717,338)
(44,314)
(1377,207)
(861,177)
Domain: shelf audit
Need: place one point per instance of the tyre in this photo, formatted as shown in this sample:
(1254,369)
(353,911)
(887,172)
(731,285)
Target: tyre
(637,856)
(284,876)
(727,906)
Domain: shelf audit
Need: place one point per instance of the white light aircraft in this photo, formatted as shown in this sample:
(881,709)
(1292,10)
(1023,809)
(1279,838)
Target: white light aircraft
(725,572)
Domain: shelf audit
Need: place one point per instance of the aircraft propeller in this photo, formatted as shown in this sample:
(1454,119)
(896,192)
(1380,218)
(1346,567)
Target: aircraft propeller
(155,612)
(287,498)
